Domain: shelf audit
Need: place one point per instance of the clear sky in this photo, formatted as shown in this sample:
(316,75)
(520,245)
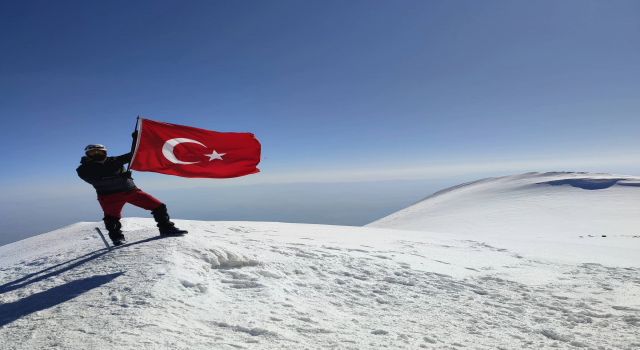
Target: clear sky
(338,92)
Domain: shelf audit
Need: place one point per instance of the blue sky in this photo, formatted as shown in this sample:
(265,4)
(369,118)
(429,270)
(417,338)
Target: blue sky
(352,92)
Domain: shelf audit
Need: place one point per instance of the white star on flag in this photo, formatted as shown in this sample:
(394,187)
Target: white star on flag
(215,155)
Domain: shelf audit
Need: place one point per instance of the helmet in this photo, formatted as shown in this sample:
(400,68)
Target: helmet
(95,147)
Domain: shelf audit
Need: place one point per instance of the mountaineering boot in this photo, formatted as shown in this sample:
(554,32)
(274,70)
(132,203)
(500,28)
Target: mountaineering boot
(166,227)
(113,226)
(118,242)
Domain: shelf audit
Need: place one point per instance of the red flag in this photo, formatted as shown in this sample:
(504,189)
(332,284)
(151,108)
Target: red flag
(192,152)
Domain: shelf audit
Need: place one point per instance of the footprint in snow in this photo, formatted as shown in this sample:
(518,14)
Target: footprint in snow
(382,257)
(442,262)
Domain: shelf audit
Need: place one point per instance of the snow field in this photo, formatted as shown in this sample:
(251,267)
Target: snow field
(565,217)
(231,285)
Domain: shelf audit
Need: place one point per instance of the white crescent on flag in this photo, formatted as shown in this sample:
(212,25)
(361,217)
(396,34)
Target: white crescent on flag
(167,149)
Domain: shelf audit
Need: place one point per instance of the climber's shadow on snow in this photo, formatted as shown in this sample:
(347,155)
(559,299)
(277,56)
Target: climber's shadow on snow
(51,297)
(62,267)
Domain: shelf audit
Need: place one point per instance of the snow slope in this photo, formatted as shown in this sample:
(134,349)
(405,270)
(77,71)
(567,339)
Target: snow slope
(557,216)
(235,285)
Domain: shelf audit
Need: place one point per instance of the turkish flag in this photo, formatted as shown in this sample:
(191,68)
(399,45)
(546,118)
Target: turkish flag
(192,152)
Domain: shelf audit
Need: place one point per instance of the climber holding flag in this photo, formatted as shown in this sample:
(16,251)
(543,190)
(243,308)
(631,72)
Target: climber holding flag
(168,149)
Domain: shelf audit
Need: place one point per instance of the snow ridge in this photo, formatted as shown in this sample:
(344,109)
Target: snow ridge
(542,205)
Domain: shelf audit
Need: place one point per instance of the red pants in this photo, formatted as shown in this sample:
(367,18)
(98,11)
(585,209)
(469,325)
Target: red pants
(112,203)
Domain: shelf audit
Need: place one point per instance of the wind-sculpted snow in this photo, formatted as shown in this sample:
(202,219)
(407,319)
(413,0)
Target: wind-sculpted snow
(240,285)
(570,217)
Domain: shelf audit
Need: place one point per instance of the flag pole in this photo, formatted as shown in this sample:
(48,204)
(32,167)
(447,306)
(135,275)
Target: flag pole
(134,143)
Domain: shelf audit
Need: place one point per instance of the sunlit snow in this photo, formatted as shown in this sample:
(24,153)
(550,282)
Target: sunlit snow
(473,272)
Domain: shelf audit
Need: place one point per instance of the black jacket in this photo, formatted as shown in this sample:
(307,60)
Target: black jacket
(109,176)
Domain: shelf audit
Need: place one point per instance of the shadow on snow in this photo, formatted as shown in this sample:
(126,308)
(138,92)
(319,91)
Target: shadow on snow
(51,297)
(63,267)
(591,184)
(43,300)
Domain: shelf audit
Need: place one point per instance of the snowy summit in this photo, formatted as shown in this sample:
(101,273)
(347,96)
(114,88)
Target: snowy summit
(507,263)
(561,216)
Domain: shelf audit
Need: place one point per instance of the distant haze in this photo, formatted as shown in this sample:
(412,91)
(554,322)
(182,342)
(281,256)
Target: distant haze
(327,203)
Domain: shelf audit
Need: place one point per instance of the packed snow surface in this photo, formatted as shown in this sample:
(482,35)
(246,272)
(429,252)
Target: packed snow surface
(509,263)
(567,217)
(251,285)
